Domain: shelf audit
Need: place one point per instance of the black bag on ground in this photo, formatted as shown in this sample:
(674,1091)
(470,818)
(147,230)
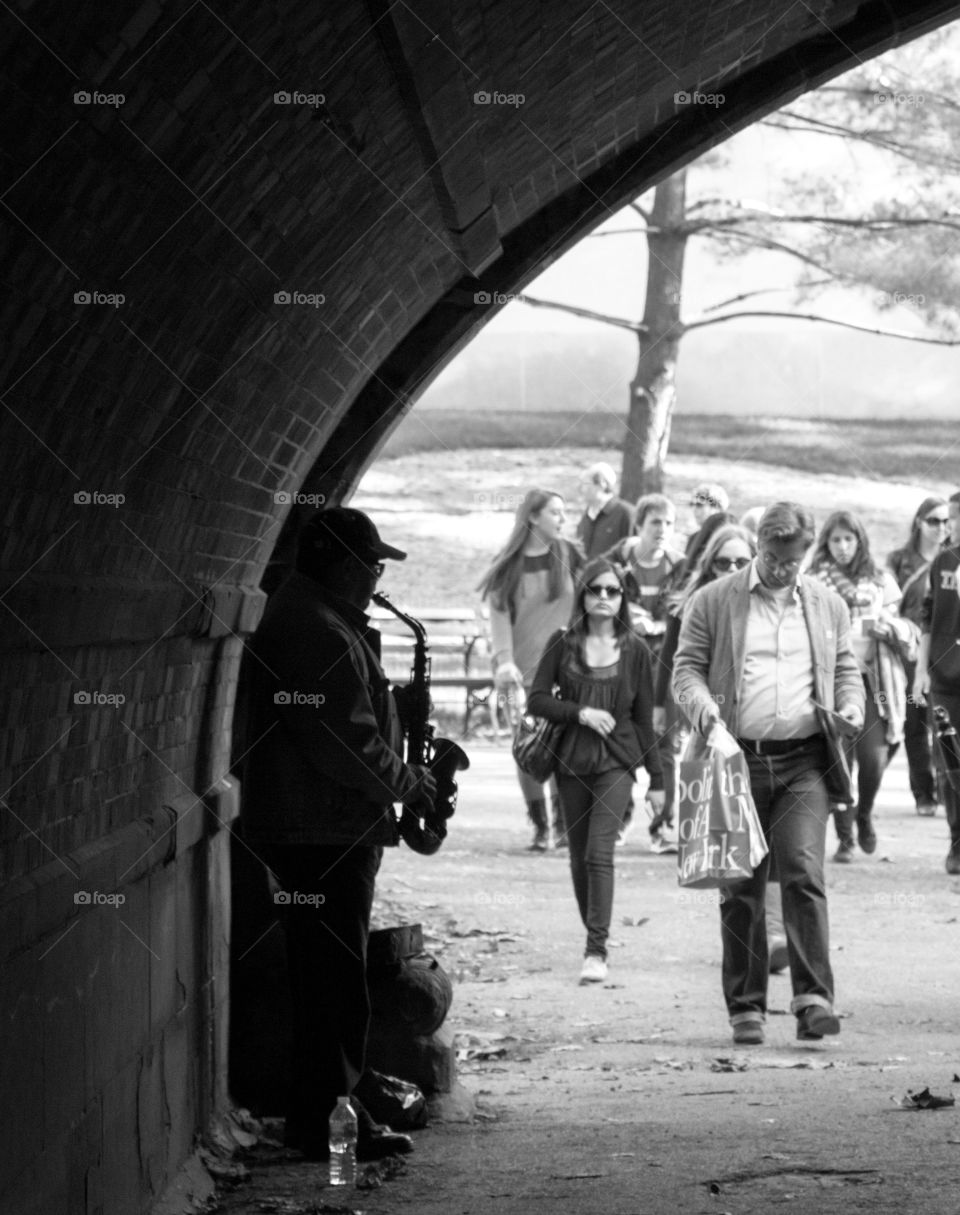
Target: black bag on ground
(402,1106)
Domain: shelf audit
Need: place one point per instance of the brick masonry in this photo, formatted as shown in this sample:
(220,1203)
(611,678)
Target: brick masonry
(152,445)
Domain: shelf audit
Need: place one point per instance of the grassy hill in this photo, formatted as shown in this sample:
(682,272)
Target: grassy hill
(917,450)
(447,491)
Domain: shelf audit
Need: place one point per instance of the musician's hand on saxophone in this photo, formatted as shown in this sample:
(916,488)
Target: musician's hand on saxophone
(421,797)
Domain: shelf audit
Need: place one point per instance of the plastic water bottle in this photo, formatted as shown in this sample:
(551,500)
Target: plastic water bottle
(343,1143)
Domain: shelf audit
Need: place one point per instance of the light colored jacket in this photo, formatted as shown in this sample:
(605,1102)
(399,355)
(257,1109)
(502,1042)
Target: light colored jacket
(708,667)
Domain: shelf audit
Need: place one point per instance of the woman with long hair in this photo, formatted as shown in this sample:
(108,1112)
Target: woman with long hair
(881,639)
(601,671)
(910,566)
(529,590)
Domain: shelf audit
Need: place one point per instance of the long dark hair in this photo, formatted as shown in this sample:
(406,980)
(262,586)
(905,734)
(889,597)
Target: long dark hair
(579,624)
(863,565)
(924,509)
(501,580)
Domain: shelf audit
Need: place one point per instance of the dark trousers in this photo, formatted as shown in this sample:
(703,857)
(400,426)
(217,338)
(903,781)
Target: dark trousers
(793,808)
(868,754)
(593,810)
(918,744)
(327,895)
(951,798)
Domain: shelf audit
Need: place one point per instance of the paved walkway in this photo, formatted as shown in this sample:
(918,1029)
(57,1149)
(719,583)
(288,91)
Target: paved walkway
(630,1097)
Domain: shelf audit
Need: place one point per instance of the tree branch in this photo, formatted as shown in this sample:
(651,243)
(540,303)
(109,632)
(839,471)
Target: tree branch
(619,321)
(824,320)
(746,295)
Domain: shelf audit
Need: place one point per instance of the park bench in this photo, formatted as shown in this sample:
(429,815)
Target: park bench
(459,648)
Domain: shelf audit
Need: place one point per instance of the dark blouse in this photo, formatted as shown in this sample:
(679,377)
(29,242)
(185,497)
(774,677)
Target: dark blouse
(624,689)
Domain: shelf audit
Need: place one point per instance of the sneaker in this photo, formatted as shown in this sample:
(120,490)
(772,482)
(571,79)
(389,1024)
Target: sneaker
(953,858)
(845,853)
(815,1021)
(748,1033)
(926,809)
(594,970)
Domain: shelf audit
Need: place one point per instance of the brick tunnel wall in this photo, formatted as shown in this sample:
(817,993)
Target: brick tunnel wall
(152,443)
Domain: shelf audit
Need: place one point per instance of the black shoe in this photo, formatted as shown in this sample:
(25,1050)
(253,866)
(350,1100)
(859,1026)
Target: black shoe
(953,858)
(866,836)
(845,853)
(814,1021)
(748,1033)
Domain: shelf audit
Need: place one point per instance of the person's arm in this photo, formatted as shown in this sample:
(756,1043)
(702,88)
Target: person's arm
(542,702)
(329,711)
(848,693)
(642,715)
(664,667)
(505,670)
(691,665)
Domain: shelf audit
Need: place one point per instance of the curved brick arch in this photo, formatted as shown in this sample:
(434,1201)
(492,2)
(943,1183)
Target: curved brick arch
(149,157)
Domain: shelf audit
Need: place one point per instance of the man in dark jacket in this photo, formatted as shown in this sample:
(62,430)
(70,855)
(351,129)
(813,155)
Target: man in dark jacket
(320,778)
(606,519)
(938,664)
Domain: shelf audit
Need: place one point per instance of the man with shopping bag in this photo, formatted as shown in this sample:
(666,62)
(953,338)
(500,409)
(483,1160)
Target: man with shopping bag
(765,665)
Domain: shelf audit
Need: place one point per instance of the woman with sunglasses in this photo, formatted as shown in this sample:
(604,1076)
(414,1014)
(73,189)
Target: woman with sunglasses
(529,588)
(602,672)
(729,548)
(881,639)
(910,566)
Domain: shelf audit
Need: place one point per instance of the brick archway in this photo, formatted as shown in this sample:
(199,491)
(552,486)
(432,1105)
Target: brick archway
(299,208)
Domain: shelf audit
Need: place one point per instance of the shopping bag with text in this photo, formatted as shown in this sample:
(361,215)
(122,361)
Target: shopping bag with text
(720,837)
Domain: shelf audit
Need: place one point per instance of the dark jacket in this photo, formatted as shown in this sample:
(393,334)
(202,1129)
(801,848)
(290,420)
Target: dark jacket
(614,522)
(632,741)
(910,570)
(941,620)
(323,762)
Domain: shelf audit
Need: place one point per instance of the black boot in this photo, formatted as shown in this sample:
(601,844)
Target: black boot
(950,805)
(843,821)
(866,836)
(537,813)
(559,831)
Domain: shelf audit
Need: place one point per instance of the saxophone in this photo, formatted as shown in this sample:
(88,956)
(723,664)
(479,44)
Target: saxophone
(442,756)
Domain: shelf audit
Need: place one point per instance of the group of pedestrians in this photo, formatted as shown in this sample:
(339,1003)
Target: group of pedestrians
(732,636)
(757,655)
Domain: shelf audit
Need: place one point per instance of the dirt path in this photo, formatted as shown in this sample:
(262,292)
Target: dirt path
(620,1099)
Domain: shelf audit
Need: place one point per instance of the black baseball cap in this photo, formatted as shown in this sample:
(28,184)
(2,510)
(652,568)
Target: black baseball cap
(345,530)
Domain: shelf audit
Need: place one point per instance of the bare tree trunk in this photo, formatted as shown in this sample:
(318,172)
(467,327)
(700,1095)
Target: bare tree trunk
(653,388)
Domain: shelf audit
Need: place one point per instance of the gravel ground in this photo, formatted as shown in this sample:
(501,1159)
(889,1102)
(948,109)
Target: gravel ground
(630,1097)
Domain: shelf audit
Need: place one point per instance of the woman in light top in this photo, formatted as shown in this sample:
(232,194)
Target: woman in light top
(882,639)
(529,589)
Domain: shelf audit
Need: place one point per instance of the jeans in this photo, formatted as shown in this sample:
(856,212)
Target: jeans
(793,808)
(669,745)
(593,810)
(327,965)
(868,755)
(918,744)
(951,798)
